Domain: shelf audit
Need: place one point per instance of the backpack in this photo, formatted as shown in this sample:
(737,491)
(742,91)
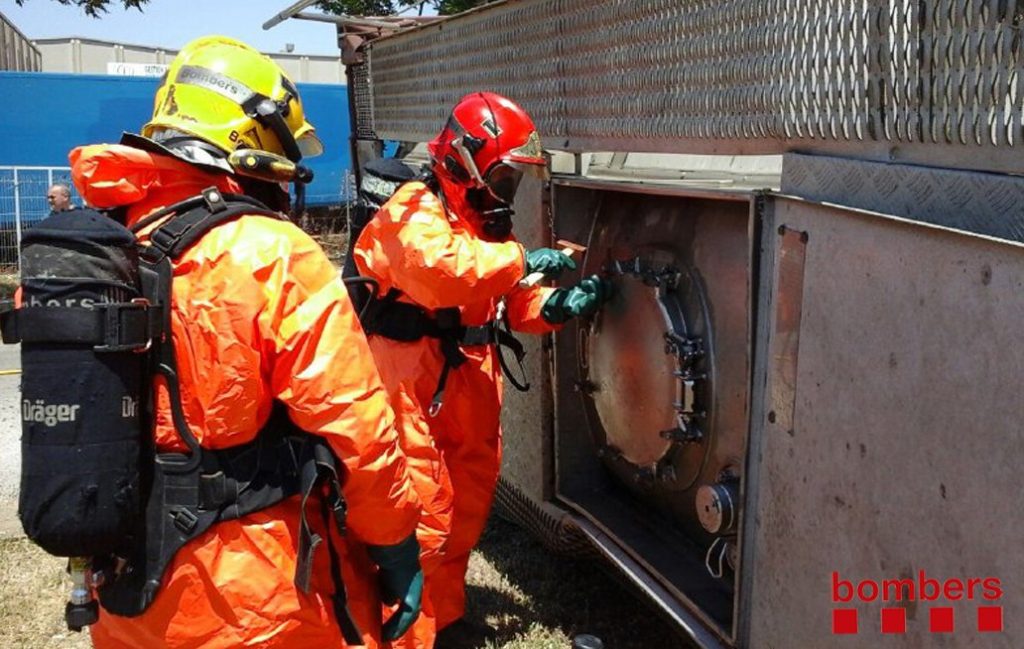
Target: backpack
(94,326)
(380,179)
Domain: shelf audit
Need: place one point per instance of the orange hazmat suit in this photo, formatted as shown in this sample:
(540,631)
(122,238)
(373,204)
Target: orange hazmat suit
(433,253)
(258,314)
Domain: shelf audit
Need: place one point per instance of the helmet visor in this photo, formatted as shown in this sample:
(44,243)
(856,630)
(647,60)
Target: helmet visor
(503,182)
(503,179)
(309,144)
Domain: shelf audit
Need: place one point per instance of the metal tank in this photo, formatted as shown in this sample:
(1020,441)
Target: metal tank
(813,216)
(652,395)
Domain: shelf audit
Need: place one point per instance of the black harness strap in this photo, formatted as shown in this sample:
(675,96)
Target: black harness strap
(320,475)
(406,322)
(505,340)
(185,229)
(120,326)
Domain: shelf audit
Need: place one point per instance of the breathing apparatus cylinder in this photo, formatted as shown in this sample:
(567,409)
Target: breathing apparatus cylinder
(82,385)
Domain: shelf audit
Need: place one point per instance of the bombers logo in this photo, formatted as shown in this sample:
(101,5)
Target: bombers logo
(48,414)
(88,303)
(225,86)
(895,594)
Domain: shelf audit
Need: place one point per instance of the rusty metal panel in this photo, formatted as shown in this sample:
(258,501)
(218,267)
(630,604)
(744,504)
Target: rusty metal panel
(526,417)
(905,448)
(937,81)
(637,232)
(792,255)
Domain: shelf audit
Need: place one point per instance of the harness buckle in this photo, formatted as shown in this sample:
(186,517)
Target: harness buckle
(214,199)
(435,407)
(340,511)
(118,330)
(185,520)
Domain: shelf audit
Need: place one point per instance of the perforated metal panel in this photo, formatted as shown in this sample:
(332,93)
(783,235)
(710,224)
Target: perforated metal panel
(362,93)
(897,78)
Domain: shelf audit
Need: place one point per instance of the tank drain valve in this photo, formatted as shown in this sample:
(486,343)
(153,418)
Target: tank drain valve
(718,507)
(82,609)
(587,641)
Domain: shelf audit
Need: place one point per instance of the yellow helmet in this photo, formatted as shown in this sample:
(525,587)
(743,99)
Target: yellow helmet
(226,93)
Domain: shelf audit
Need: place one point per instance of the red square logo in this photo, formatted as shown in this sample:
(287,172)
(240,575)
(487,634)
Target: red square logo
(894,620)
(990,619)
(844,621)
(940,619)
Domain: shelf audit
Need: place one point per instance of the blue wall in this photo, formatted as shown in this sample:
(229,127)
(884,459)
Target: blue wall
(50,114)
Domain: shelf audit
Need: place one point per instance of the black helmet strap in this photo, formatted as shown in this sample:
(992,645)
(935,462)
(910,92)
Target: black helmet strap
(268,113)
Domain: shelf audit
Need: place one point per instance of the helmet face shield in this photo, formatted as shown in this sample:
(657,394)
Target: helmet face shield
(309,144)
(538,171)
(503,182)
(503,179)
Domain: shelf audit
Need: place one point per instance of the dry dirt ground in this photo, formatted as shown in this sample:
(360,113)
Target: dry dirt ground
(533,599)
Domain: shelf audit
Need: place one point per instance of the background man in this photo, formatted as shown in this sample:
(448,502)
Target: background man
(59,198)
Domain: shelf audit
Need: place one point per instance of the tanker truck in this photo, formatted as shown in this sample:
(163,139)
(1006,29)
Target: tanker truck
(798,424)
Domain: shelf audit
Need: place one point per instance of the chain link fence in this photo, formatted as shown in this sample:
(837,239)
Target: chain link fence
(328,224)
(23,204)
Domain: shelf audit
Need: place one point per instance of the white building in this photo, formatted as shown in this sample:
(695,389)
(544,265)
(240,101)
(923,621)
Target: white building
(93,56)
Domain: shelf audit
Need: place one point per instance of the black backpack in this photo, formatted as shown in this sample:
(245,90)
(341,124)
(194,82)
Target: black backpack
(94,325)
(380,179)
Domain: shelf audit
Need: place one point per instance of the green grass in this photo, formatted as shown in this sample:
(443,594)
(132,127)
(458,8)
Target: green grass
(533,599)
(33,590)
(8,284)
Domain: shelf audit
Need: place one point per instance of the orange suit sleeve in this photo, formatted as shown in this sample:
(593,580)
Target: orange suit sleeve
(323,370)
(410,243)
(523,310)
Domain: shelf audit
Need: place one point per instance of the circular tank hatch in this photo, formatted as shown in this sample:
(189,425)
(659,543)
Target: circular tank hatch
(643,374)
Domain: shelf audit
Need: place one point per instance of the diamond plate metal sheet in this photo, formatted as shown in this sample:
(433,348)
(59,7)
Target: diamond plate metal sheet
(725,76)
(988,204)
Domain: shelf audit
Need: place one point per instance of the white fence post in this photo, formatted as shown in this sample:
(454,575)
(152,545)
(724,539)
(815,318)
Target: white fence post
(17,217)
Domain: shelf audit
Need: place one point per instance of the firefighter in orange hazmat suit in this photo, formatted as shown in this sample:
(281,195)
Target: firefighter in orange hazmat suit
(259,317)
(444,257)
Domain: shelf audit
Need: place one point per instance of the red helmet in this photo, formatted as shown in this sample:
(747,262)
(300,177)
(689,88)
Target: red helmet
(488,143)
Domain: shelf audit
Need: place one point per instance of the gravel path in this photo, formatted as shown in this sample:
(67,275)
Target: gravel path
(10,439)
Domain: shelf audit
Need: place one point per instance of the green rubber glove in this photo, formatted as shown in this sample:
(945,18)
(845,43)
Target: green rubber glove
(584,299)
(548,261)
(401,582)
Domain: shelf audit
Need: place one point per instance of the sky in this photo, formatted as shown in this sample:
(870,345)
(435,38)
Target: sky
(172,23)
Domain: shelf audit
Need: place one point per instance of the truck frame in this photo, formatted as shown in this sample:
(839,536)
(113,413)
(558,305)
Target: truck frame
(802,412)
